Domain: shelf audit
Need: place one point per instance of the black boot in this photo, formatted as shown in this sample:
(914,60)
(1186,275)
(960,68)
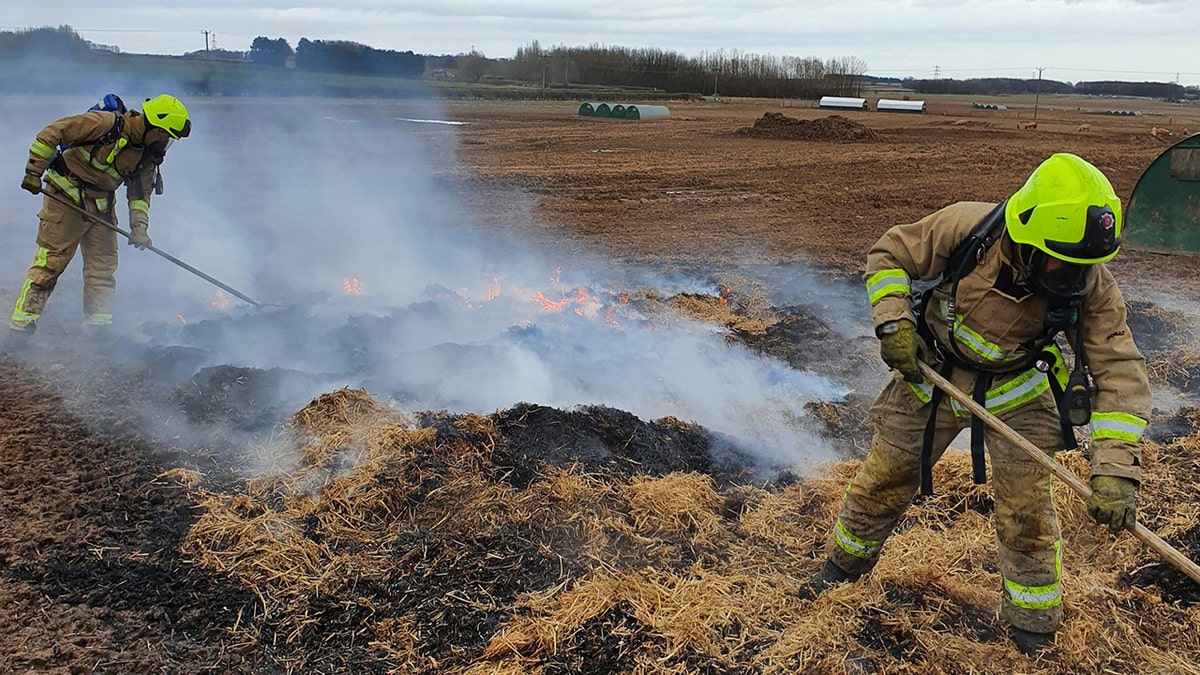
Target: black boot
(826,578)
(1032,644)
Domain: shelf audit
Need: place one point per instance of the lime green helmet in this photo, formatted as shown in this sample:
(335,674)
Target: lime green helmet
(1068,210)
(167,113)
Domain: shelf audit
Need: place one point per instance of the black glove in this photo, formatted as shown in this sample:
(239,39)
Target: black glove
(898,342)
(1113,502)
(32,182)
(138,238)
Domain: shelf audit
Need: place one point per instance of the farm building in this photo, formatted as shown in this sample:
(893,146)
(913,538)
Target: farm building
(989,106)
(1124,113)
(893,105)
(844,103)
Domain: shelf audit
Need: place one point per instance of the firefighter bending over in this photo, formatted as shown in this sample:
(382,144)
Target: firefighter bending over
(83,159)
(1011,278)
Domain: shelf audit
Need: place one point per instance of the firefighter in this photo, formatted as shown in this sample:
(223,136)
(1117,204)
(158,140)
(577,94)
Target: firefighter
(83,159)
(1011,279)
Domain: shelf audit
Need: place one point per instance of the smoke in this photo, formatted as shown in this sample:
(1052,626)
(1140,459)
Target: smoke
(461,303)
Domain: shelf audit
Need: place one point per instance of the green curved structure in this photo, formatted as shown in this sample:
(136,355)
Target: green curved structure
(604,110)
(618,111)
(587,110)
(1163,213)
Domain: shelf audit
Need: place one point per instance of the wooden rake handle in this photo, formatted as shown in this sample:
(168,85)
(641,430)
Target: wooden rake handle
(1143,534)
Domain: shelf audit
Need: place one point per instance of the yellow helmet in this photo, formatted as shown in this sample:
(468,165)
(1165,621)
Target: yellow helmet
(167,113)
(1068,210)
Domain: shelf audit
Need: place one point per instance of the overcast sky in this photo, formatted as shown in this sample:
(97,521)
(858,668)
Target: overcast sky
(1072,39)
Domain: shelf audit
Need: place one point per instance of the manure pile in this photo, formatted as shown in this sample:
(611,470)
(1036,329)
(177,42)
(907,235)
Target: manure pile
(541,541)
(831,128)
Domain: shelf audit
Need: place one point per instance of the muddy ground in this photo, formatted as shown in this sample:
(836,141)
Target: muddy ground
(95,509)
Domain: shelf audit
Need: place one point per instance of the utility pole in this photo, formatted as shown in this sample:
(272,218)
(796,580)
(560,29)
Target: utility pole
(937,71)
(206,34)
(1037,92)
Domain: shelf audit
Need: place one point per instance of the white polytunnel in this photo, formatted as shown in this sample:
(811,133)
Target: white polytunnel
(893,105)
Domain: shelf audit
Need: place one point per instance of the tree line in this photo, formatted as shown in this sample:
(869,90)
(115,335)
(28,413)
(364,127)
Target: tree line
(720,72)
(337,56)
(1005,85)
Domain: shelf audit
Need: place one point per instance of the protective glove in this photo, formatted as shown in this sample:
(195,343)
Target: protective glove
(898,342)
(1113,502)
(32,182)
(138,238)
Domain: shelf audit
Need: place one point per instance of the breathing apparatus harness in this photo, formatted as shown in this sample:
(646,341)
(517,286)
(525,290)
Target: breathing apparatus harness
(1063,316)
(111,103)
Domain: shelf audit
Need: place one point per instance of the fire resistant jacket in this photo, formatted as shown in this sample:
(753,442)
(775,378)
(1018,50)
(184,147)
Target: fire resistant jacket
(98,170)
(995,316)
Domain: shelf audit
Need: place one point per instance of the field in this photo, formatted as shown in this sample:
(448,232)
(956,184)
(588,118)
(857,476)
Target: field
(174,504)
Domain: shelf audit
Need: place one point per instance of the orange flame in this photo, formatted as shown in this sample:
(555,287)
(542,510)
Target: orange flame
(219,302)
(551,305)
(352,285)
(724,292)
(182,320)
(493,291)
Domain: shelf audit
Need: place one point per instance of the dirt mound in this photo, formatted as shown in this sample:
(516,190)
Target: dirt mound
(530,541)
(831,128)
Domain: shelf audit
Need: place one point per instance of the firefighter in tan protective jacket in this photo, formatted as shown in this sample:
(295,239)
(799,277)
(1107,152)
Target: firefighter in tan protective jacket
(1012,277)
(84,159)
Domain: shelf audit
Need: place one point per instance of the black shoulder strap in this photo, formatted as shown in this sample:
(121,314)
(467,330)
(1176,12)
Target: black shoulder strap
(969,252)
(110,136)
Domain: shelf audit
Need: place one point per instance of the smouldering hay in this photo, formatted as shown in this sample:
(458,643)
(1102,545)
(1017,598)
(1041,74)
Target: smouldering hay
(717,309)
(332,419)
(426,557)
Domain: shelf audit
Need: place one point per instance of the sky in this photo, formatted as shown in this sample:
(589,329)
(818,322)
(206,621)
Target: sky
(1071,40)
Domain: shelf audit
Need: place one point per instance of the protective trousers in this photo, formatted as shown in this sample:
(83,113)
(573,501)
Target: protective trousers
(60,232)
(1026,521)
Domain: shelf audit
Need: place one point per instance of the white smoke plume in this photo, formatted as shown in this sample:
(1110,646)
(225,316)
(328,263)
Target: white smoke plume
(391,272)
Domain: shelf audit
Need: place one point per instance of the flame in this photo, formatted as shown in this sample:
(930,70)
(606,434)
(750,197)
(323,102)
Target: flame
(182,321)
(723,292)
(219,302)
(352,285)
(551,305)
(493,291)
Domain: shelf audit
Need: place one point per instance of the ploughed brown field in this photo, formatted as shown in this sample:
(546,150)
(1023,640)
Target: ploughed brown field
(546,541)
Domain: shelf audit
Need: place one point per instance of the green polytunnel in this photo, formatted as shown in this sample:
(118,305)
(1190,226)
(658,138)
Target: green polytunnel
(618,111)
(603,110)
(1163,213)
(587,109)
(647,112)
